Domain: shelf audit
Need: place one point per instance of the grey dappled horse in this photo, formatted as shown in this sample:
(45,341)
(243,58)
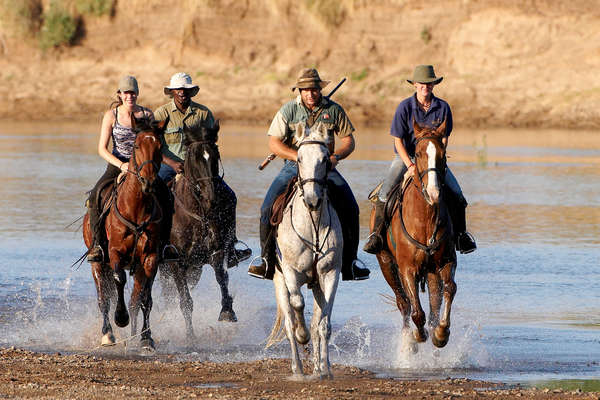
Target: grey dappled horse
(310,242)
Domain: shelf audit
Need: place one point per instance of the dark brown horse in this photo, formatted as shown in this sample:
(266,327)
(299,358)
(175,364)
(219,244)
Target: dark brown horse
(132,228)
(420,244)
(203,225)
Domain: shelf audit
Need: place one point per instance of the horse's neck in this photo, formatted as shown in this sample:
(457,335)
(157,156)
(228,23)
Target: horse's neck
(415,209)
(130,198)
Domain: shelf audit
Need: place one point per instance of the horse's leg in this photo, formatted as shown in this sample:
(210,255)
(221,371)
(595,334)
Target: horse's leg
(441,333)
(222,277)
(186,304)
(121,314)
(434,283)
(410,285)
(297,302)
(103,289)
(136,298)
(321,322)
(146,279)
(283,302)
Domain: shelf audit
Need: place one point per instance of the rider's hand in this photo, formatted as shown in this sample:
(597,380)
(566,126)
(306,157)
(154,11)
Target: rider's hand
(334,161)
(411,169)
(124,167)
(178,167)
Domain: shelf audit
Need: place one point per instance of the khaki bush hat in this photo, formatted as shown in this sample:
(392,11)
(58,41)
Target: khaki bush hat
(424,74)
(128,83)
(309,78)
(181,80)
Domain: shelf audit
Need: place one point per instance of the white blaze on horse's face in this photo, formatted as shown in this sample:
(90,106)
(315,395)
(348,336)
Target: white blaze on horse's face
(312,165)
(433,189)
(206,155)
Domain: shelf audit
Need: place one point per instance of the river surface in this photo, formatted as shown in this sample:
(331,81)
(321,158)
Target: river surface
(527,306)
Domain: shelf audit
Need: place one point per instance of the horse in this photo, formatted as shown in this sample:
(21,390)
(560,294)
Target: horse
(203,225)
(420,243)
(132,229)
(309,239)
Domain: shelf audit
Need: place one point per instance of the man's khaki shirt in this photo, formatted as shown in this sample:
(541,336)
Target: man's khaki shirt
(195,116)
(290,122)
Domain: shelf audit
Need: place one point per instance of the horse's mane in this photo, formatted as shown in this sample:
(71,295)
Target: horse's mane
(145,124)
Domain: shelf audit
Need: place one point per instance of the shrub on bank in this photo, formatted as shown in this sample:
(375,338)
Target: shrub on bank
(59,27)
(20,18)
(95,7)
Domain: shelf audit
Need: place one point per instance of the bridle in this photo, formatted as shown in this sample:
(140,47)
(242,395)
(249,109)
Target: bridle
(432,243)
(318,245)
(421,174)
(138,169)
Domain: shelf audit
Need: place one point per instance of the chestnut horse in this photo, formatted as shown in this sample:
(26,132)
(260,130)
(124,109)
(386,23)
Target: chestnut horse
(132,229)
(420,244)
(203,225)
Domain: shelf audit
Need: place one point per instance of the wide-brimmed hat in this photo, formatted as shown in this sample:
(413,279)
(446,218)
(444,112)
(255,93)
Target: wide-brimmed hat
(181,80)
(424,74)
(128,83)
(308,79)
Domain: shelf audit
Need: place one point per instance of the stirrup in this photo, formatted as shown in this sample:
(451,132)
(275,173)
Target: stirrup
(235,251)
(374,248)
(354,277)
(170,246)
(471,238)
(255,275)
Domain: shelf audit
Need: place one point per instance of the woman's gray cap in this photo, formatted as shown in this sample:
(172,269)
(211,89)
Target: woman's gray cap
(424,74)
(128,83)
(181,80)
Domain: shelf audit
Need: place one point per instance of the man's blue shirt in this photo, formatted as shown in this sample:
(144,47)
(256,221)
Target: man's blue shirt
(402,125)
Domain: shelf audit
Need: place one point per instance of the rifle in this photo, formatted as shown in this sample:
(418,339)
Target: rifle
(272,156)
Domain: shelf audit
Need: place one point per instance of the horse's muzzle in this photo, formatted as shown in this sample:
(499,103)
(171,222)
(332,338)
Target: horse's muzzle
(148,187)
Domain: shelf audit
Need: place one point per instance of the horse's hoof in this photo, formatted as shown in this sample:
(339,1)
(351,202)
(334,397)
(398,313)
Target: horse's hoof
(108,339)
(121,318)
(420,337)
(147,344)
(302,336)
(227,316)
(440,336)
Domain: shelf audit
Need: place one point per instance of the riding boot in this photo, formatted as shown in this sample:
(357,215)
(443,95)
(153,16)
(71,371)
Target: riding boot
(266,269)
(96,253)
(465,243)
(375,242)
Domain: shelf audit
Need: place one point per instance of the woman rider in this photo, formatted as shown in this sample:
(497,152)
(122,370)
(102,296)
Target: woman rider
(426,110)
(116,125)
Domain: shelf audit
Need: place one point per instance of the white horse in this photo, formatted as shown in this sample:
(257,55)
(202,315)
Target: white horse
(310,241)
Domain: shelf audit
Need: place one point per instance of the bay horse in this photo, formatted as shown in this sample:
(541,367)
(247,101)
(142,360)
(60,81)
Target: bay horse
(310,243)
(132,229)
(203,224)
(420,243)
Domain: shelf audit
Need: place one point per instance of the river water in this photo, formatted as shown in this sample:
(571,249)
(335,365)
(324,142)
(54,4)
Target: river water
(527,306)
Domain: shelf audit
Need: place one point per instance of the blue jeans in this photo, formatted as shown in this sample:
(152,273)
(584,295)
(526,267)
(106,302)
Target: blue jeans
(396,174)
(342,199)
(166,173)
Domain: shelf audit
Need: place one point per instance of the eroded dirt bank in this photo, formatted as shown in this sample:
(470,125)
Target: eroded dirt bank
(505,63)
(26,374)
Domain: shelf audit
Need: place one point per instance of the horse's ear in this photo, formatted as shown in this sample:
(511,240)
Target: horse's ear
(441,130)
(162,125)
(417,128)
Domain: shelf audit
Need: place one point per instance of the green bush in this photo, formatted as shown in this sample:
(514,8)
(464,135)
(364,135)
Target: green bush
(331,12)
(59,27)
(359,75)
(95,7)
(426,34)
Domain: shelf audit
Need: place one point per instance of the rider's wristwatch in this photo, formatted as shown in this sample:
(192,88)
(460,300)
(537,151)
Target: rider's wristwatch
(337,157)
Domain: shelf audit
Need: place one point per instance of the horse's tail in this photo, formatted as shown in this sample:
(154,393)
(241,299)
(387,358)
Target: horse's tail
(277,333)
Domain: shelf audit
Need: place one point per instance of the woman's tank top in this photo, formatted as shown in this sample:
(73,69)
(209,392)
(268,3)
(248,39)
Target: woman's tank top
(123,139)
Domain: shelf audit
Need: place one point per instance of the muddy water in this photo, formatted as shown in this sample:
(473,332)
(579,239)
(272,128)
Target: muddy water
(527,307)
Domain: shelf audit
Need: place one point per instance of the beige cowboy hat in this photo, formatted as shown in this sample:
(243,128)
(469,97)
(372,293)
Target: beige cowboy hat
(181,80)
(128,83)
(424,74)
(309,78)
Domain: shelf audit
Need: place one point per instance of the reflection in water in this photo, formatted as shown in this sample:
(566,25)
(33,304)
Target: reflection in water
(537,225)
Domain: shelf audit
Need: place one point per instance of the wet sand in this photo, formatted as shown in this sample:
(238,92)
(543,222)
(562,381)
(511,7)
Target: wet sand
(26,374)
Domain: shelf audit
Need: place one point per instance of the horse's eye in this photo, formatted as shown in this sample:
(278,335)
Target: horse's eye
(136,147)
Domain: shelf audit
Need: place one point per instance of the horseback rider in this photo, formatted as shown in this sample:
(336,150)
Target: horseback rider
(311,111)
(431,111)
(117,125)
(182,110)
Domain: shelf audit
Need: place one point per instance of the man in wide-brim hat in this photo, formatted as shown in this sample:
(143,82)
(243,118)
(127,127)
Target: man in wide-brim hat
(430,111)
(182,110)
(310,111)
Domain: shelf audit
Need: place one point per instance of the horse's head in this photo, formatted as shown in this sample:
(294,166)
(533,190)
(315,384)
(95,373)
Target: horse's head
(202,159)
(430,160)
(147,156)
(313,165)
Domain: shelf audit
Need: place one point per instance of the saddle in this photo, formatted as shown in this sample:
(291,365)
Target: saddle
(282,201)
